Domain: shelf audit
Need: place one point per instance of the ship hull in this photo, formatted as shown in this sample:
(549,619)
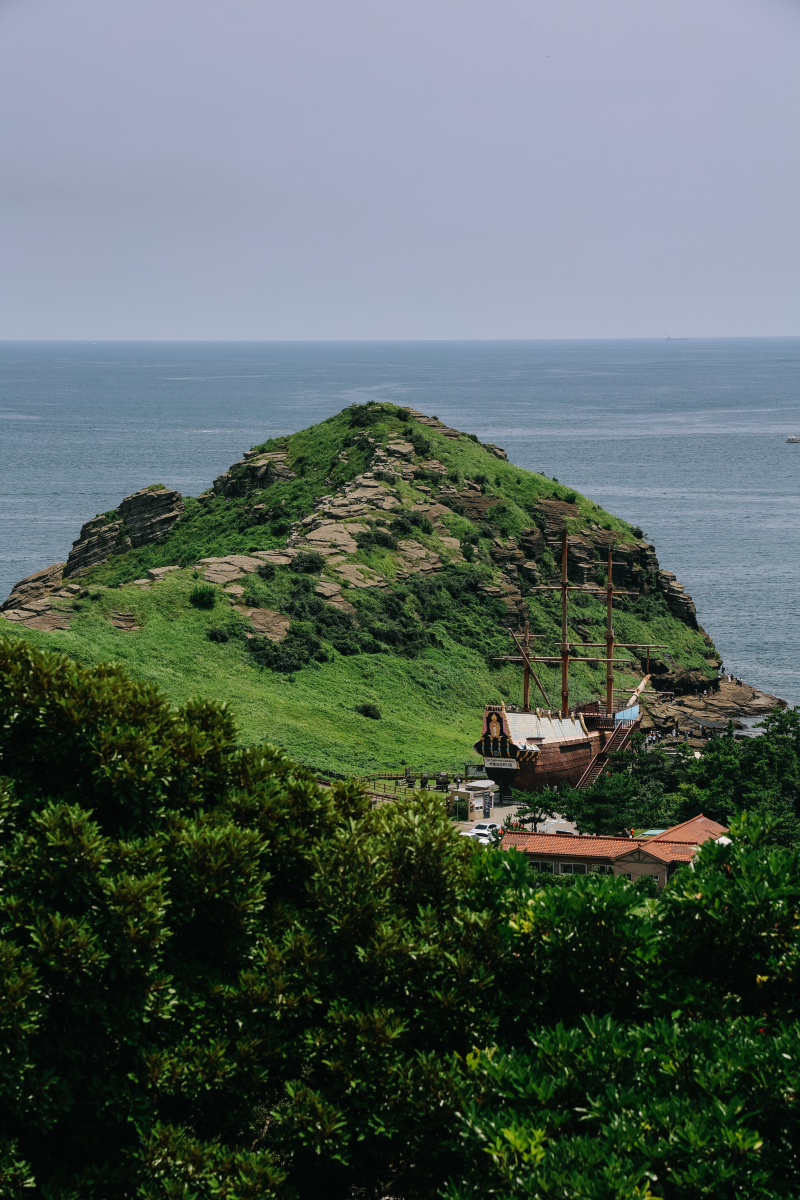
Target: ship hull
(559,763)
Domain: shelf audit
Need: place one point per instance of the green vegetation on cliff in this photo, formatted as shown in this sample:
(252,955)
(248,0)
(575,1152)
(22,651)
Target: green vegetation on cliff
(430,578)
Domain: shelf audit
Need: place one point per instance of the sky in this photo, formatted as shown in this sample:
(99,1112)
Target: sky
(399,169)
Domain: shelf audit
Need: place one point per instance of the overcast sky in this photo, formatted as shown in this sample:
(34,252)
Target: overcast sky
(330,169)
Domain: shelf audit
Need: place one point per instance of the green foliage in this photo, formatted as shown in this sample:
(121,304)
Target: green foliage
(299,647)
(607,1111)
(217,633)
(376,537)
(410,522)
(421,444)
(307,563)
(533,808)
(203,596)
(369,710)
(362,416)
(222,979)
(649,790)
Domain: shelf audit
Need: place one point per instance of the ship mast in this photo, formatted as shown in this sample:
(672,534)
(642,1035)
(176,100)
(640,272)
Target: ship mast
(564,642)
(610,645)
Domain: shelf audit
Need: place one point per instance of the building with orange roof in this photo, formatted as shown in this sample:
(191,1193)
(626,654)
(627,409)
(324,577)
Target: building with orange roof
(697,830)
(579,854)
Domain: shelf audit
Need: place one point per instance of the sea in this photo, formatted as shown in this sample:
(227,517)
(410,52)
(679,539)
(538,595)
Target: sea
(685,438)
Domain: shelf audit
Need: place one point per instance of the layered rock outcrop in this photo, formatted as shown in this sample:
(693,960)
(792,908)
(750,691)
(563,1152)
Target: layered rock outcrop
(254,472)
(635,565)
(144,517)
(34,587)
(149,514)
(40,601)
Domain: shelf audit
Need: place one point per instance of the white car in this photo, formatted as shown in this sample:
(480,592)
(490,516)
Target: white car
(482,832)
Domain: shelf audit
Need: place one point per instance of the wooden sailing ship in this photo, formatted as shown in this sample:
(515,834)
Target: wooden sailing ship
(534,748)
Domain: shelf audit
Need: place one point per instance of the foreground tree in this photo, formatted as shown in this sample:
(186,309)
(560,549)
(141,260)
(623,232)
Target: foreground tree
(221,980)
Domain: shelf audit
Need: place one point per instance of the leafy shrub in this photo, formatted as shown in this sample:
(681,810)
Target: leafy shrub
(362,416)
(526,1135)
(203,596)
(421,444)
(215,633)
(408,521)
(403,414)
(376,537)
(646,886)
(307,563)
(266,571)
(369,710)
(300,647)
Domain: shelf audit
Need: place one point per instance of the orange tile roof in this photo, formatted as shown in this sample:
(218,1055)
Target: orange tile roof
(605,849)
(697,830)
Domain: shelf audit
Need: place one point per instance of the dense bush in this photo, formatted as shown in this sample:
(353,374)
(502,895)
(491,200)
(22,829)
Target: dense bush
(215,633)
(221,979)
(300,647)
(362,416)
(409,522)
(376,537)
(307,563)
(421,444)
(203,596)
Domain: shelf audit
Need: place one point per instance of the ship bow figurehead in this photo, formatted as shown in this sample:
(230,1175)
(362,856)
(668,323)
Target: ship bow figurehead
(502,755)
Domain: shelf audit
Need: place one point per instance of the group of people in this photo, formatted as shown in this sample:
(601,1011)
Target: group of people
(654,736)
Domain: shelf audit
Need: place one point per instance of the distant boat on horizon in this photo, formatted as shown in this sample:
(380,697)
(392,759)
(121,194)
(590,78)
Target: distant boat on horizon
(793,438)
(672,339)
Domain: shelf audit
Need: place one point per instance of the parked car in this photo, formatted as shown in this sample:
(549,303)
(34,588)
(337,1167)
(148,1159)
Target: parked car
(482,832)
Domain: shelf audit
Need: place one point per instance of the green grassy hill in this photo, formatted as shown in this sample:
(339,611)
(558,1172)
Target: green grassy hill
(409,550)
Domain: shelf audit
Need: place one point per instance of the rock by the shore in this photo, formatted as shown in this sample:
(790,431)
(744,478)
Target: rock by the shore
(150,513)
(34,587)
(144,517)
(733,701)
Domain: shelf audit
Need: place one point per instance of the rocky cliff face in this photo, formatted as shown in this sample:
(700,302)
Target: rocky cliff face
(146,516)
(253,472)
(34,587)
(635,565)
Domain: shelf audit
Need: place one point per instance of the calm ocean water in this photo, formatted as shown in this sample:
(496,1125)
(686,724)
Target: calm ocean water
(685,438)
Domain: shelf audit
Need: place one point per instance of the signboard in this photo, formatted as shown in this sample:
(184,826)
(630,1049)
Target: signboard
(505,764)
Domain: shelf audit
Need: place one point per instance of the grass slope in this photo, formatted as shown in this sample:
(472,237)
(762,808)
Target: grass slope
(426,645)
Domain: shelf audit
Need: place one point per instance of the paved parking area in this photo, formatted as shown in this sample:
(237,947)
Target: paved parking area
(557,825)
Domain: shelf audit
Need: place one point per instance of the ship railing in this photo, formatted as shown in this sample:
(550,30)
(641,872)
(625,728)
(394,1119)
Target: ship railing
(594,722)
